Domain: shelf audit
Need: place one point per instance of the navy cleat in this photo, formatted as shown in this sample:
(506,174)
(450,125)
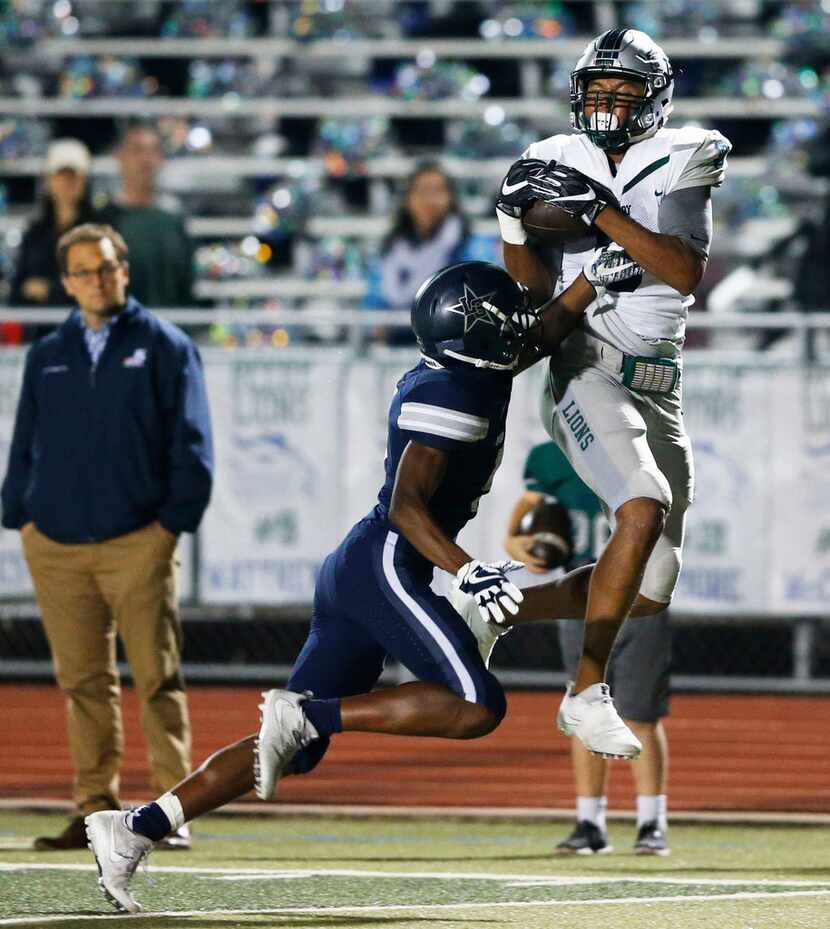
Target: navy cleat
(586,839)
(651,840)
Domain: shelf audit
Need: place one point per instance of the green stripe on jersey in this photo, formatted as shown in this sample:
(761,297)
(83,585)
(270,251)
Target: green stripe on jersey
(649,169)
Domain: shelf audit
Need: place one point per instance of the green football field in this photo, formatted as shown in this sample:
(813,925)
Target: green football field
(434,874)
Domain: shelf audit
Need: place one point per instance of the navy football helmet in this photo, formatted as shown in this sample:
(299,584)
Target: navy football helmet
(473,312)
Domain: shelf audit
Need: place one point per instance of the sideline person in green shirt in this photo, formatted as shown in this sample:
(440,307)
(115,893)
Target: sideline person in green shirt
(161,253)
(638,670)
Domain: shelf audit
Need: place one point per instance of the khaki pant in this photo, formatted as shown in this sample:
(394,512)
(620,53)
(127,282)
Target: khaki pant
(87,594)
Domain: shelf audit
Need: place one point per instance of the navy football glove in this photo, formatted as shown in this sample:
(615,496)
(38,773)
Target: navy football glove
(572,191)
(488,585)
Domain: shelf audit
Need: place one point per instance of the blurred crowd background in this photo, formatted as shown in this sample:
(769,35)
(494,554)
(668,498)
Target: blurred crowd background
(301,159)
(281,143)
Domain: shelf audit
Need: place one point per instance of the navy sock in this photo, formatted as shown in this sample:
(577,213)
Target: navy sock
(324,715)
(150,821)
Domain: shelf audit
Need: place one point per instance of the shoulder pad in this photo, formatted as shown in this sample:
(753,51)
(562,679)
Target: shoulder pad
(547,149)
(438,407)
(702,154)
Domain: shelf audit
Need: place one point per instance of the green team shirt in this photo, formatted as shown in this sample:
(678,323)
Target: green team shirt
(161,253)
(548,472)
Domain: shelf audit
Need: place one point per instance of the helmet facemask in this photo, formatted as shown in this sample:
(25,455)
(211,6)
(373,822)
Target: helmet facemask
(473,313)
(500,339)
(596,112)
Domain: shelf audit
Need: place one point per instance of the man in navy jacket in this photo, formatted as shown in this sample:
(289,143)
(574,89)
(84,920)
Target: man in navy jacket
(110,461)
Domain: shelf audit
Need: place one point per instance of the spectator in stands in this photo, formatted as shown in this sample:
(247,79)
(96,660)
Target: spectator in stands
(429,232)
(639,667)
(65,203)
(110,461)
(161,253)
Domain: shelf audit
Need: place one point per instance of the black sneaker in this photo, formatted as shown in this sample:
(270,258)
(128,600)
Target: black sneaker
(651,840)
(586,839)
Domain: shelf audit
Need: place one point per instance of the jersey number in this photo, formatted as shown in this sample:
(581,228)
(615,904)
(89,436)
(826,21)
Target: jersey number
(590,533)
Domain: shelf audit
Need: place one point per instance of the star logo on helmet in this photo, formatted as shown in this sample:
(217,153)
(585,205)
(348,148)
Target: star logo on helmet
(477,309)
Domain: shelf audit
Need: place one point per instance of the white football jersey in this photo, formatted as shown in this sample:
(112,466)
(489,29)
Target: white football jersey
(672,159)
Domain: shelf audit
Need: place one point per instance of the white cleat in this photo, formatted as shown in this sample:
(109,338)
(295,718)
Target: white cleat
(486,633)
(592,717)
(283,732)
(118,852)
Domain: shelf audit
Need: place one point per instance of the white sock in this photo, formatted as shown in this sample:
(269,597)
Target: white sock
(663,812)
(592,809)
(172,807)
(592,694)
(648,809)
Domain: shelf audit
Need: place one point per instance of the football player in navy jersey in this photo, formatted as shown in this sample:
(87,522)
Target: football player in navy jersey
(475,327)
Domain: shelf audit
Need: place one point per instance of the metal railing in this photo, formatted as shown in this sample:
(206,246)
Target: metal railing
(356,322)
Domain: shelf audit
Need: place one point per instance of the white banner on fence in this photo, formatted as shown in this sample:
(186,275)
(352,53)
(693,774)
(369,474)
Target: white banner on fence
(300,441)
(279,435)
(726,548)
(798,493)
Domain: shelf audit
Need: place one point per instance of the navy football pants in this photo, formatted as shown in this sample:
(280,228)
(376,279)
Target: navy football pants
(373,600)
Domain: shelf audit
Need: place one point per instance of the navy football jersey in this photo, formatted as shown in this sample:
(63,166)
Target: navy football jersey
(462,411)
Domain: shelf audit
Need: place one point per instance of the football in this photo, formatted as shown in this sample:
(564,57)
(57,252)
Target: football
(550,525)
(550,225)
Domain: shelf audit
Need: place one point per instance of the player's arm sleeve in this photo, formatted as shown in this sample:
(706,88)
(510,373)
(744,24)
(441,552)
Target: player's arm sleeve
(190,447)
(446,419)
(21,453)
(687,214)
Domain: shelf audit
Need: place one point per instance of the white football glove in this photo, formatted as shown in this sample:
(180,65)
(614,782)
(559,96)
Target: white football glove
(611,267)
(487,584)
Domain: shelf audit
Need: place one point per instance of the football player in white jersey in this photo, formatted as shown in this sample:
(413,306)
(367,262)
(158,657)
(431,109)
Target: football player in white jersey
(613,394)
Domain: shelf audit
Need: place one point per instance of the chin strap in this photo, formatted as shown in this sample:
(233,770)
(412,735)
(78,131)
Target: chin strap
(480,362)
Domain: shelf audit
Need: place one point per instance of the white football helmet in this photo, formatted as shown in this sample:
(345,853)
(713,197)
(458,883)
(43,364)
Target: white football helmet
(622,53)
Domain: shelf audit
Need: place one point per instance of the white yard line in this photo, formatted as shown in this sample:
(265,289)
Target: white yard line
(543,814)
(410,907)
(515,880)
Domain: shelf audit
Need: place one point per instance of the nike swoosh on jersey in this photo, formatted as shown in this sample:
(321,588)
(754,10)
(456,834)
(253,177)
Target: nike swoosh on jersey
(508,189)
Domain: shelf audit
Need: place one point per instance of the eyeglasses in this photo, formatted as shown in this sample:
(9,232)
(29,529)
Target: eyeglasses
(87,274)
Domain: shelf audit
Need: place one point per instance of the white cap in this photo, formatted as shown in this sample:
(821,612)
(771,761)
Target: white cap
(68,153)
